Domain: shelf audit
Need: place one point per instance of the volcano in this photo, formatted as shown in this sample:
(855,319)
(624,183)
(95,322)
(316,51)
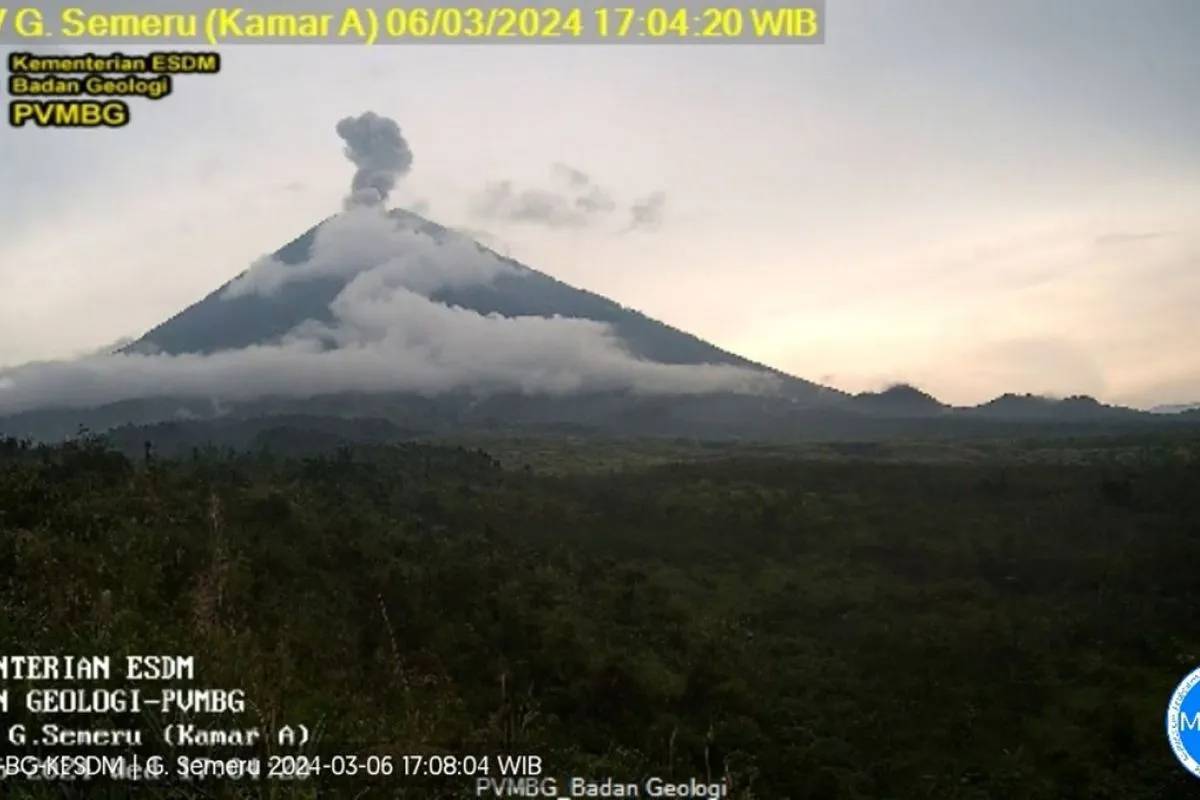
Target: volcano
(227,321)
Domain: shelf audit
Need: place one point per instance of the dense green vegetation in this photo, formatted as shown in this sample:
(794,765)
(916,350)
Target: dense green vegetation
(852,627)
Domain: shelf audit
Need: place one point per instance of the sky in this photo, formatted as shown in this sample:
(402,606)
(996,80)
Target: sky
(969,196)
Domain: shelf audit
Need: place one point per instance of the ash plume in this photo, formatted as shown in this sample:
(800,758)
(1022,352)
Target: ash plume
(375,145)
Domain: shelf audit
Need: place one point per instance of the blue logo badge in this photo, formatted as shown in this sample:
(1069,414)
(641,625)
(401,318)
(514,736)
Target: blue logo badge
(1183,722)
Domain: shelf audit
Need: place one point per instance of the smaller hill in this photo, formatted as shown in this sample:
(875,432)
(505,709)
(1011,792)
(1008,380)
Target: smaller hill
(900,400)
(1037,408)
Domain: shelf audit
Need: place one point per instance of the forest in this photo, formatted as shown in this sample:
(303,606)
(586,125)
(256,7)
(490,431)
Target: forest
(837,622)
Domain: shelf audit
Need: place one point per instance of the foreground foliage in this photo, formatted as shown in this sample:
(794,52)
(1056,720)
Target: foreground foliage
(808,629)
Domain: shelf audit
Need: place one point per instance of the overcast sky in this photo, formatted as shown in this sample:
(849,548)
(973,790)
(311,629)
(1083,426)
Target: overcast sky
(975,197)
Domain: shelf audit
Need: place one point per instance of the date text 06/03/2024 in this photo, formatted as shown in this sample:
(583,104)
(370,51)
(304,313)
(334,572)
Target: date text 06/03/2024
(447,23)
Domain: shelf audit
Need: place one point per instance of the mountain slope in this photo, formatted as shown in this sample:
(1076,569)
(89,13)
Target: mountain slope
(221,322)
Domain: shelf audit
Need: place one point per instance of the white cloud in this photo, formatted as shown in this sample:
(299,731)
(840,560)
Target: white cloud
(366,238)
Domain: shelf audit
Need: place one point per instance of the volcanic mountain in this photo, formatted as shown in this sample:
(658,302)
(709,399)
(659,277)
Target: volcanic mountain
(225,321)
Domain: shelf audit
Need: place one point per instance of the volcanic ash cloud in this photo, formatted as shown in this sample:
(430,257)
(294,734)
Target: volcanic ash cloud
(377,148)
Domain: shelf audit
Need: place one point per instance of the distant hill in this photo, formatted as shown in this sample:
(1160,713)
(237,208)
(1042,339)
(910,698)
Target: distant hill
(900,400)
(1035,408)
(1181,408)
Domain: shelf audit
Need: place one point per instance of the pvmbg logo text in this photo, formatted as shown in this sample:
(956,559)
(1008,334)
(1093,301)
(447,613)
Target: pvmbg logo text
(1183,722)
